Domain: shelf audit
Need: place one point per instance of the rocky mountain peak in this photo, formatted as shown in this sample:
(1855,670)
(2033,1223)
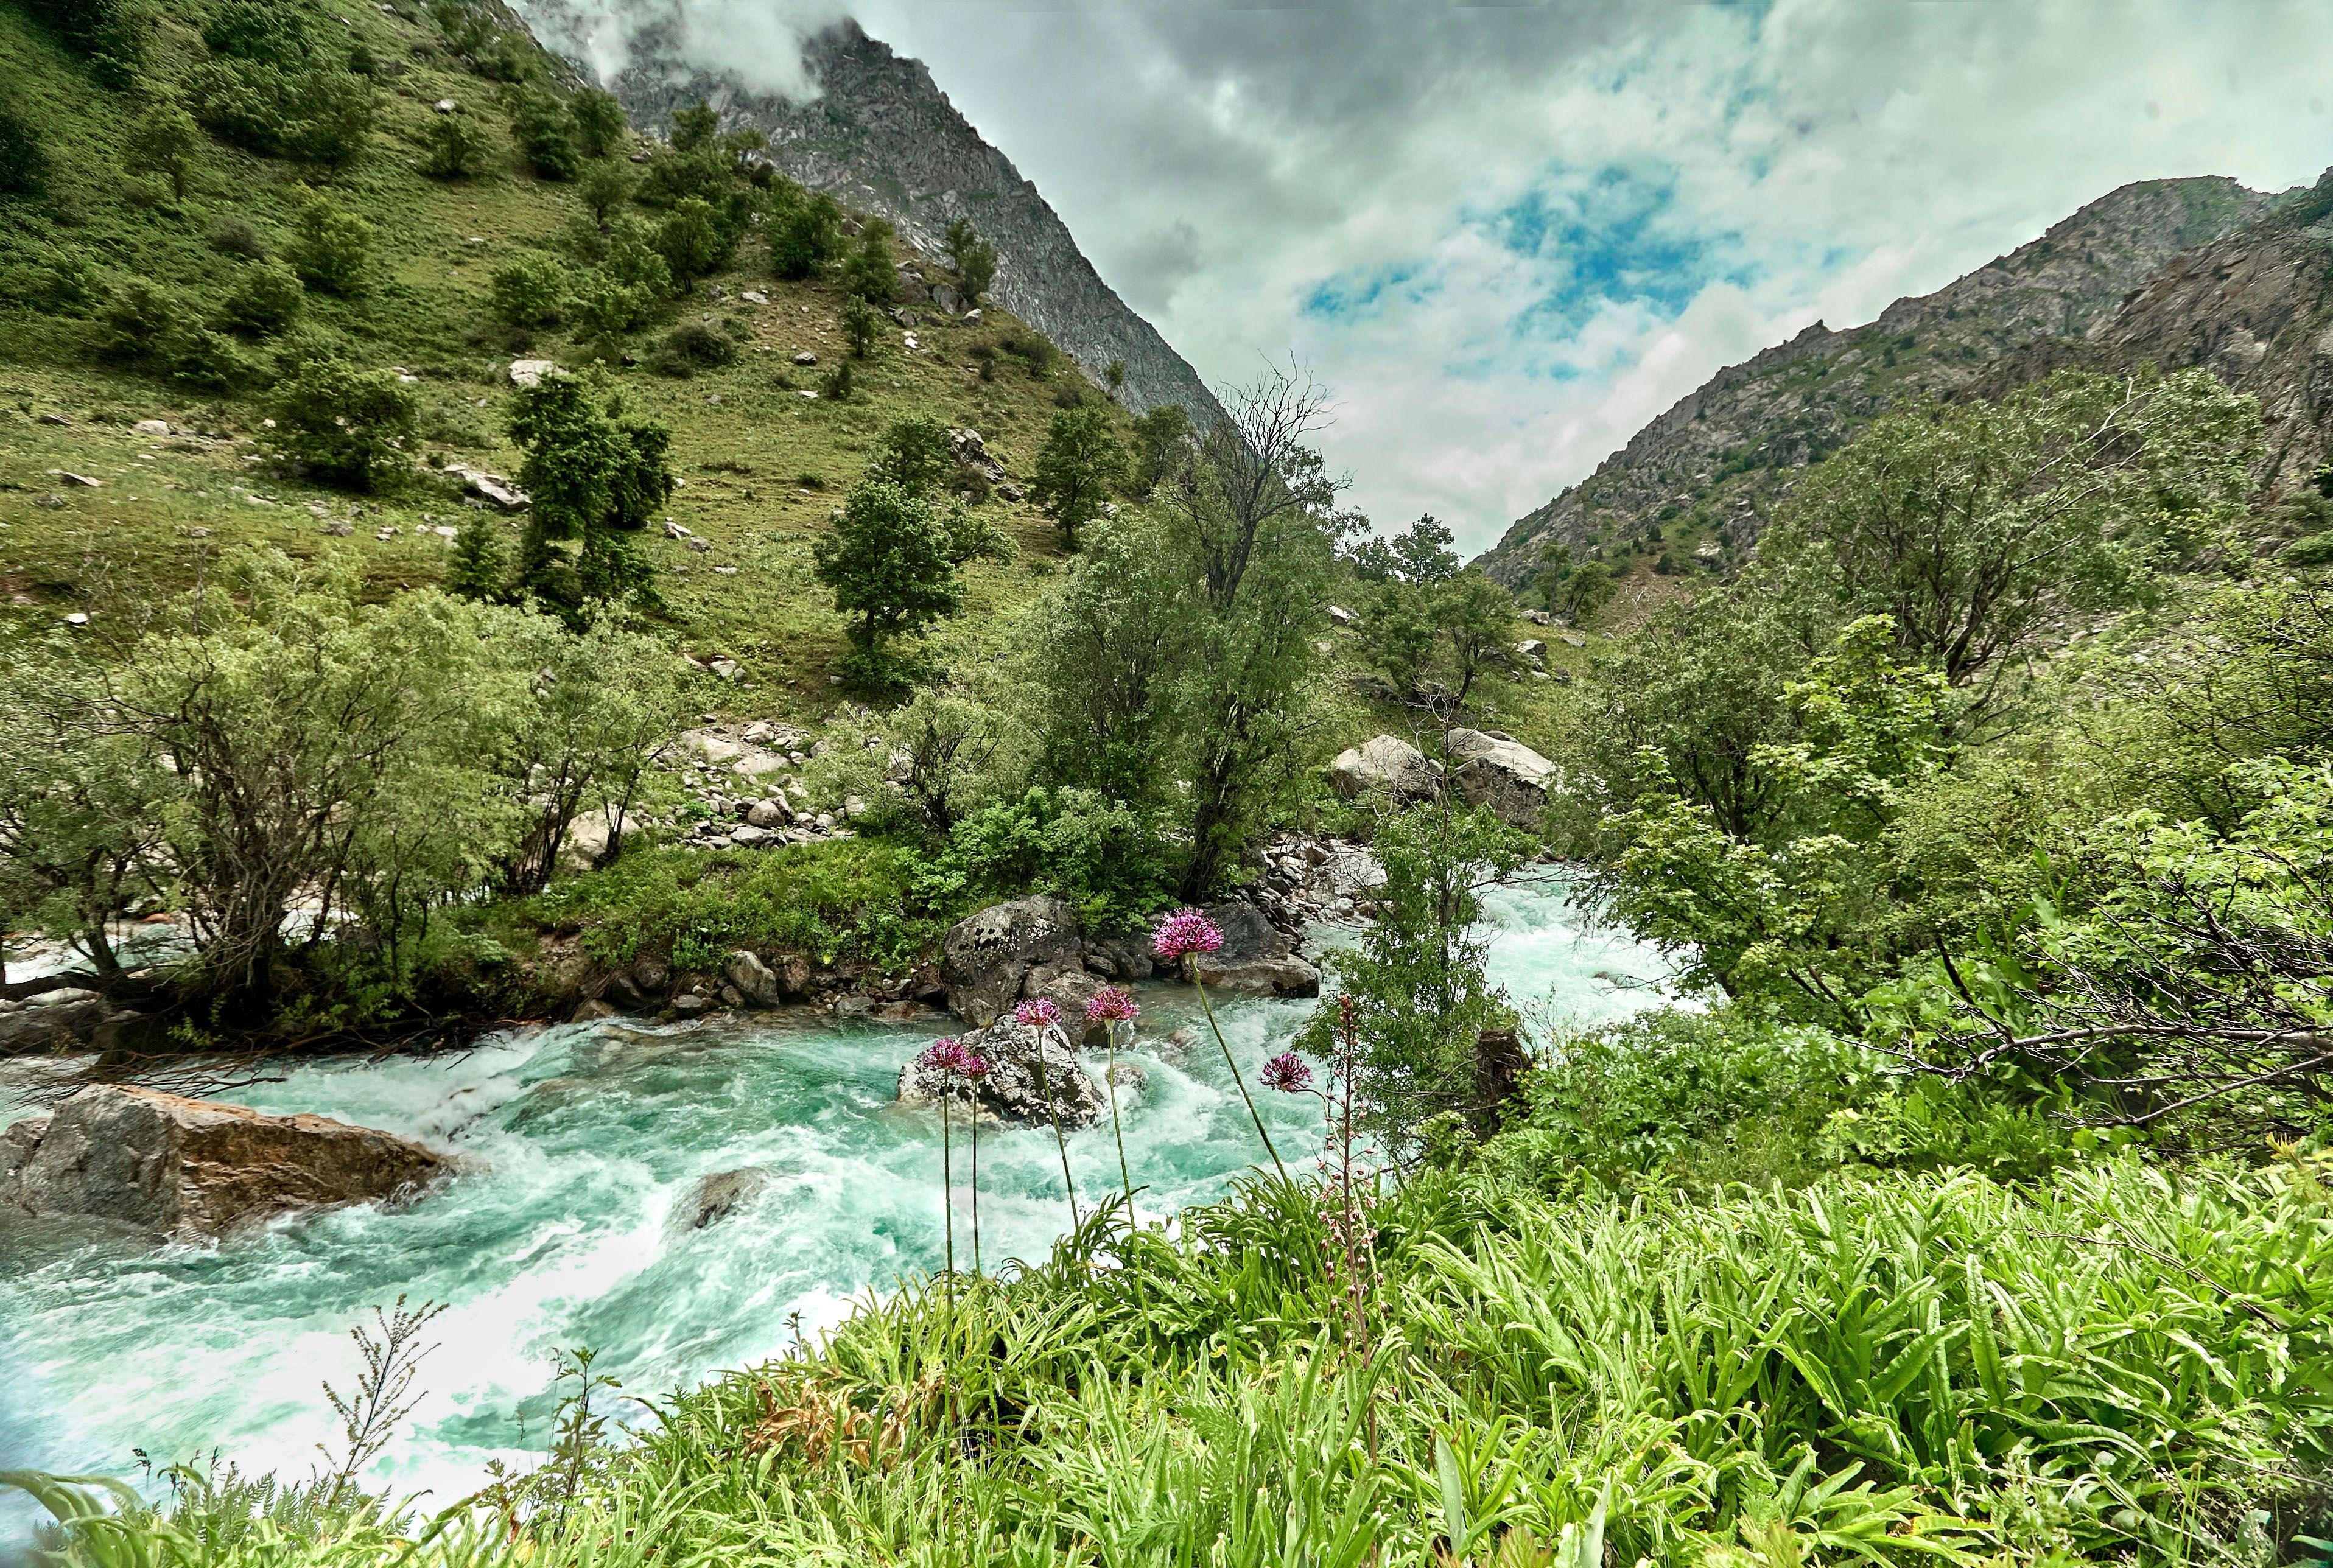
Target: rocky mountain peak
(881,136)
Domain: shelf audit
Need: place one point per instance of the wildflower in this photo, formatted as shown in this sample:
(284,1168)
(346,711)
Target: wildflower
(1186,931)
(1111,1005)
(972,1065)
(1037,1012)
(945,1054)
(1286,1074)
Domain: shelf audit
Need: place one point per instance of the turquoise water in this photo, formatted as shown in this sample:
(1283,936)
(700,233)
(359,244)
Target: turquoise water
(588,1138)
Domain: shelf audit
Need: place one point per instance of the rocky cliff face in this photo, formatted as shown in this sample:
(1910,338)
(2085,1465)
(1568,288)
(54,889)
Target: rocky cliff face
(882,137)
(1708,470)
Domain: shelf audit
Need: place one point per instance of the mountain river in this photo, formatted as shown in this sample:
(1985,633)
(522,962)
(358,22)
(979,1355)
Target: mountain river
(589,1140)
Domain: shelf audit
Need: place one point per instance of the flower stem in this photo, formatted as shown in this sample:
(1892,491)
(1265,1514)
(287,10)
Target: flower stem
(1054,1116)
(975,1179)
(1111,1077)
(1239,1082)
(947,1173)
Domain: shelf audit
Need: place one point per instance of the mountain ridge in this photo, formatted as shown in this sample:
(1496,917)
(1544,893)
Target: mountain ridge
(884,138)
(1712,465)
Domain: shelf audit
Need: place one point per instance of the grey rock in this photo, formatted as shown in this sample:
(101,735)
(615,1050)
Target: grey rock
(45,1023)
(768,814)
(1387,764)
(187,1168)
(719,1196)
(528,372)
(1501,772)
(988,955)
(1285,976)
(754,979)
(1014,1089)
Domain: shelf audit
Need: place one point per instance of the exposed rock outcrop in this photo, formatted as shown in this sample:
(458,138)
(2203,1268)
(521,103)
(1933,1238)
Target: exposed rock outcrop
(1257,958)
(187,1168)
(1013,1090)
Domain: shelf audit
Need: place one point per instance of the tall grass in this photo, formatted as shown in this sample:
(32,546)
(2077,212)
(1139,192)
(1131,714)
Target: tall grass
(2124,1364)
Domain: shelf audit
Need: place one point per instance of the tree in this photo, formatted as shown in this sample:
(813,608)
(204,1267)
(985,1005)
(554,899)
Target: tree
(1162,439)
(867,271)
(1253,524)
(334,251)
(594,476)
(599,121)
(164,140)
(545,133)
(914,454)
(1115,374)
(691,240)
(1585,590)
(348,427)
(1982,528)
(478,570)
(804,229)
(892,564)
(1425,998)
(693,126)
(974,259)
(1080,464)
(606,188)
(859,324)
(1431,630)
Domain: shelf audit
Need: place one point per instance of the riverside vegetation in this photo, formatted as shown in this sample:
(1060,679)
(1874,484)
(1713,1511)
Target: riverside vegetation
(1975,1208)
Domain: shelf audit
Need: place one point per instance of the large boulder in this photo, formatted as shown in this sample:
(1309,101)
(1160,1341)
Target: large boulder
(189,1168)
(987,956)
(1013,1091)
(1257,958)
(1497,770)
(53,1019)
(717,1197)
(1387,764)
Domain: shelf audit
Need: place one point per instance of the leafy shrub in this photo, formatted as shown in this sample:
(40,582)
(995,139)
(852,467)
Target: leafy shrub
(49,278)
(530,291)
(317,116)
(692,346)
(867,269)
(334,249)
(545,133)
(143,321)
(804,231)
(1100,855)
(604,309)
(347,427)
(110,34)
(456,150)
(464,30)
(271,32)
(606,186)
(23,162)
(211,361)
(267,299)
(691,240)
(859,324)
(233,237)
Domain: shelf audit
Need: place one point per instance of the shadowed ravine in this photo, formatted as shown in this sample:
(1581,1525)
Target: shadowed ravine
(593,1137)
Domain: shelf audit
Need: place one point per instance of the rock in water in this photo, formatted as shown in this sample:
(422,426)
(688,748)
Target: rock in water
(1011,1092)
(1389,763)
(722,1194)
(190,1167)
(1257,956)
(989,954)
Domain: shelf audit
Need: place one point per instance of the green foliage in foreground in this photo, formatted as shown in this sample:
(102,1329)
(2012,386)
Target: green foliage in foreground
(2121,1365)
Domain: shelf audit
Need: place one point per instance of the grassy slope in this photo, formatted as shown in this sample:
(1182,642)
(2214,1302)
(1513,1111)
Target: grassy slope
(744,439)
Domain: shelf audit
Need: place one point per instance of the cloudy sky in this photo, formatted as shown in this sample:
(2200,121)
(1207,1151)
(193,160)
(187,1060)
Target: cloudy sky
(1505,236)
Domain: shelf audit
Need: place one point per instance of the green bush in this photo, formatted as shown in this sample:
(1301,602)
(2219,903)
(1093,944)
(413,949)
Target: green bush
(23,162)
(804,231)
(272,31)
(110,34)
(318,116)
(604,309)
(210,360)
(456,150)
(346,426)
(599,121)
(232,235)
(1100,855)
(267,299)
(52,279)
(142,322)
(691,241)
(693,345)
(334,249)
(530,291)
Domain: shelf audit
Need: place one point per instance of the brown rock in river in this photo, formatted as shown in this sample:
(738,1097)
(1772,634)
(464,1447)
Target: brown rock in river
(196,1167)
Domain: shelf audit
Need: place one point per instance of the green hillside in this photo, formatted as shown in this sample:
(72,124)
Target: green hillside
(760,465)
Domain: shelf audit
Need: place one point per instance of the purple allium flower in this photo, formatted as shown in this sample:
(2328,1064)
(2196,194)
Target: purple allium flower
(974,1066)
(1037,1012)
(1186,931)
(1286,1074)
(1112,1005)
(946,1054)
